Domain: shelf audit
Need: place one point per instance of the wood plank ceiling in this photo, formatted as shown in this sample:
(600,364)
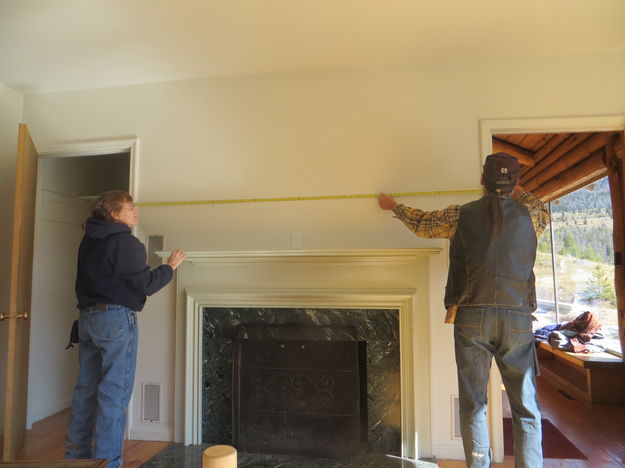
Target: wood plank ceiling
(554,164)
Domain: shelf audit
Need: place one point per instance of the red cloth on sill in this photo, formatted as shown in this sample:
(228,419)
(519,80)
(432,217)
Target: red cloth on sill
(586,324)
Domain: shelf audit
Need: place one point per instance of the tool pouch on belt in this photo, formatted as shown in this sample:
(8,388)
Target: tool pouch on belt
(73,335)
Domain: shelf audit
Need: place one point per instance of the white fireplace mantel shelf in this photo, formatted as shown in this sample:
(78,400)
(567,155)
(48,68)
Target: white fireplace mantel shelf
(308,256)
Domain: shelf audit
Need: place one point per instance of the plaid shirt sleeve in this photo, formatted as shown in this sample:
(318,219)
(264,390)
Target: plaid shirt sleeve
(440,224)
(538,211)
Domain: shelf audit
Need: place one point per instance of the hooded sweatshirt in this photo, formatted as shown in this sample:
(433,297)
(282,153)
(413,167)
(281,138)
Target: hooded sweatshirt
(112,267)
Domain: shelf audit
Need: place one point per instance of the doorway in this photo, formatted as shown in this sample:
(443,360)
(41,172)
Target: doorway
(542,131)
(67,185)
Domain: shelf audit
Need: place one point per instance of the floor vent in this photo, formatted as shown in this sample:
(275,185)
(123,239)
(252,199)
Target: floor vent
(151,408)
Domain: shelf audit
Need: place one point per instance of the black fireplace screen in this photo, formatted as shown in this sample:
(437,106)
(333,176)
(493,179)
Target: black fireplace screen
(304,397)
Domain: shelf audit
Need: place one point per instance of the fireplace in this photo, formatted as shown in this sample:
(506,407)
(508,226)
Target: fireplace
(322,288)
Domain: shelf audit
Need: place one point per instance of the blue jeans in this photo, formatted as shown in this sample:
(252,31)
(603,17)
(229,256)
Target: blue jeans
(505,333)
(107,356)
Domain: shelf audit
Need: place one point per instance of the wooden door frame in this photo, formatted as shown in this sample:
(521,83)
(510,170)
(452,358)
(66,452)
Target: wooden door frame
(489,128)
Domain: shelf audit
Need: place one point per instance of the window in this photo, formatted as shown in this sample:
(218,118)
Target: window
(575,262)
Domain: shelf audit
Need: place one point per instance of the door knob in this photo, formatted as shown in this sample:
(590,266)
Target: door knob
(3,316)
(22,316)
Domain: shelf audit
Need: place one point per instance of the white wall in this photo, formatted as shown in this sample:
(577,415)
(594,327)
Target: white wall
(10,116)
(400,128)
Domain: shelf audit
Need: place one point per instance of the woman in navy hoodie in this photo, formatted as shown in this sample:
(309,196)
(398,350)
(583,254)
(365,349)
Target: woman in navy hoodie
(113,280)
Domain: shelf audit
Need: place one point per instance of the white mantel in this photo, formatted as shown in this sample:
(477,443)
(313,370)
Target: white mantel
(308,256)
(388,278)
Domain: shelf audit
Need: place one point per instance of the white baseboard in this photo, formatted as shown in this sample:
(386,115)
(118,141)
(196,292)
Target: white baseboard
(448,452)
(165,434)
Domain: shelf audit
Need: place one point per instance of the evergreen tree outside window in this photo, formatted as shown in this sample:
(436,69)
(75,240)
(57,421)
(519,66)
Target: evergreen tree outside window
(575,272)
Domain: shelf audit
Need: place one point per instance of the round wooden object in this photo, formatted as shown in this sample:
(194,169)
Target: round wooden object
(219,456)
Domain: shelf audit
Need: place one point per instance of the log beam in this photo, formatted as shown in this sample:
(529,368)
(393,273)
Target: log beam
(566,161)
(619,146)
(583,173)
(551,145)
(546,149)
(547,159)
(525,157)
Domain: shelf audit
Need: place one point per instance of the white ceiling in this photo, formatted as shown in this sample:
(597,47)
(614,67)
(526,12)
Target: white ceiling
(54,45)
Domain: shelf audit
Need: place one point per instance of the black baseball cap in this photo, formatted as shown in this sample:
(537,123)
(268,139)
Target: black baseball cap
(501,172)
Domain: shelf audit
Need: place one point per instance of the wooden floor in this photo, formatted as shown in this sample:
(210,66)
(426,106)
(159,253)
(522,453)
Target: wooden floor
(45,441)
(597,430)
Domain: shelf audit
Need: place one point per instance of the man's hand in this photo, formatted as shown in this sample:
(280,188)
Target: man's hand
(176,258)
(386,202)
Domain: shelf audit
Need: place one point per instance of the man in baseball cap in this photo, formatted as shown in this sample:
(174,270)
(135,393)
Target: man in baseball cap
(489,298)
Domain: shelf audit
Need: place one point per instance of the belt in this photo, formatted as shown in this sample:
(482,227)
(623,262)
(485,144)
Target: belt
(101,307)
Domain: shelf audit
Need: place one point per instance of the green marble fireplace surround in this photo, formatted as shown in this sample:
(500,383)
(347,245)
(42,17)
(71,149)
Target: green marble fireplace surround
(377,329)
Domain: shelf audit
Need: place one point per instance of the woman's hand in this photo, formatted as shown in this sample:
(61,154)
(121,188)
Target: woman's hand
(176,258)
(386,202)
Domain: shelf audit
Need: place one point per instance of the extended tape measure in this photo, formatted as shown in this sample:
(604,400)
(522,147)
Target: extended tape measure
(305,198)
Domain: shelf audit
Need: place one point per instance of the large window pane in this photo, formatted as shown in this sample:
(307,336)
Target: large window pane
(583,248)
(546,311)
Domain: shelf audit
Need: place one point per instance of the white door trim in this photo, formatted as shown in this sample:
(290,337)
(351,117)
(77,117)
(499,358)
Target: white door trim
(601,123)
(199,298)
(97,147)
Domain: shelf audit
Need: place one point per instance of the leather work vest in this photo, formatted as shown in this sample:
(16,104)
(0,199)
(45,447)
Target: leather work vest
(497,272)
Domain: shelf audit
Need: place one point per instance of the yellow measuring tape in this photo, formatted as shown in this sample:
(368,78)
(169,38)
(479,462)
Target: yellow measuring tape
(312,197)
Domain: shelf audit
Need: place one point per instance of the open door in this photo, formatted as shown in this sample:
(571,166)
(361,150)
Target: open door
(19,295)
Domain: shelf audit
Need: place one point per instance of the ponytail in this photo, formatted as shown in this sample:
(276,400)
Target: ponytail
(495,210)
(495,213)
